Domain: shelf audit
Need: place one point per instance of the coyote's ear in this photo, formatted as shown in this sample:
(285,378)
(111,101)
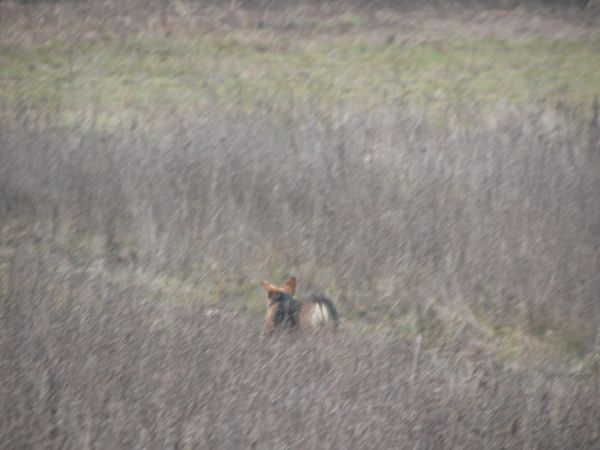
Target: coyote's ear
(266,286)
(290,286)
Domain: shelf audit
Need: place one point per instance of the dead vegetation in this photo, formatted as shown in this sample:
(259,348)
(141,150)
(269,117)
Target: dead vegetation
(407,21)
(463,258)
(466,241)
(395,218)
(92,362)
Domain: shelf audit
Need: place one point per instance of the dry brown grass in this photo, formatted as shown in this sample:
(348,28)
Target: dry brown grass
(92,362)
(389,215)
(83,21)
(97,353)
(464,260)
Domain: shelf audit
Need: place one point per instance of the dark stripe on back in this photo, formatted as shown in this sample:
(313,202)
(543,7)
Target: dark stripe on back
(287,310)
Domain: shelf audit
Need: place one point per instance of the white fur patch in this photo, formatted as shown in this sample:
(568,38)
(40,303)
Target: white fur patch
(320,315)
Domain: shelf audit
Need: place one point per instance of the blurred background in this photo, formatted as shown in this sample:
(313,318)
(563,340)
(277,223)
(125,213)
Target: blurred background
(434,167)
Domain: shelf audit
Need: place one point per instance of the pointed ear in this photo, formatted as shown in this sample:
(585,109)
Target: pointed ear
(290,286)
(266,286)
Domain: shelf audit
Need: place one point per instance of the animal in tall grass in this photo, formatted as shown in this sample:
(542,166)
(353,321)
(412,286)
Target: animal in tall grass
(316,313)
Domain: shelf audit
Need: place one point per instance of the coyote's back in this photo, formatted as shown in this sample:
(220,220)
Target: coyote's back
(315,313)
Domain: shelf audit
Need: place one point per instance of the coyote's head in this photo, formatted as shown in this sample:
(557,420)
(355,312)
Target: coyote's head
(281,306)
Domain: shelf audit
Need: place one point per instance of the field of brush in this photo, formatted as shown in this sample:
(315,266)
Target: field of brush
(436,171)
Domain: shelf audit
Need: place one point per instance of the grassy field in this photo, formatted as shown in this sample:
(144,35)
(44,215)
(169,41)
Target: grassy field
(140,71)
(435,171)
(319,65)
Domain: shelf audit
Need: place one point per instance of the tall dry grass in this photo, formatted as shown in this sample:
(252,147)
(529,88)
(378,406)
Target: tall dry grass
(90,360)
(390,215)
(463,256)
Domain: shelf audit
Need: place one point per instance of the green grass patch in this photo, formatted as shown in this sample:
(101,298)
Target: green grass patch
(106,81)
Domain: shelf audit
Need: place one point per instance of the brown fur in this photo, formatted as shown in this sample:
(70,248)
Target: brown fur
(284,311)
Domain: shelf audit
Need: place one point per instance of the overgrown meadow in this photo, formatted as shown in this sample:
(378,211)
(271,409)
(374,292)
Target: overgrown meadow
(434,170)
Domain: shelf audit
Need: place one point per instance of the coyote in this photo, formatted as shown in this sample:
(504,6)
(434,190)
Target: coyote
(316,312)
